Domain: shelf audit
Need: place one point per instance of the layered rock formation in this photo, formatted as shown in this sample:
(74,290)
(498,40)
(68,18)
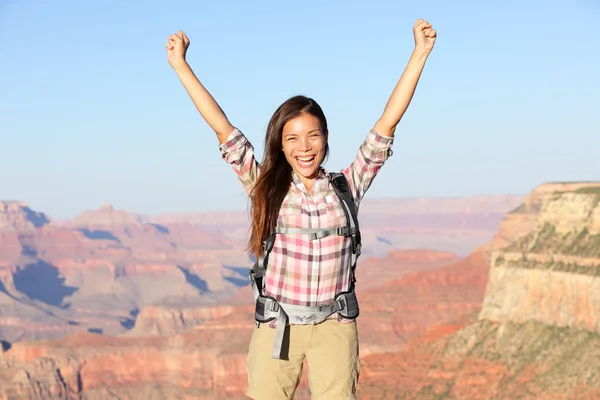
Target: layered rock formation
(166,321)
(107,267)
(536,336)
(17,216)
(551,275)
(208,362)
(181,341)
(98,272)
(524,219)
(107,217)
(205,364)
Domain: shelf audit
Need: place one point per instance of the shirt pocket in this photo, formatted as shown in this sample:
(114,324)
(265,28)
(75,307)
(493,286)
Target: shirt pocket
(333,214)
(290,214)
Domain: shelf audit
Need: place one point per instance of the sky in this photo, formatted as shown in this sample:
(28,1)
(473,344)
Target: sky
(92,113)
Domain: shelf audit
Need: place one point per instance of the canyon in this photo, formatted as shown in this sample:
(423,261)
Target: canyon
(208,361)
(114,272)
(512,312)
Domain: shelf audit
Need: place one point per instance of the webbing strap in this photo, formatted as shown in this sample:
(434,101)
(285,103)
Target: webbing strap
(317,233)
(287,314)
(282,322)
(310,315)
(297,315)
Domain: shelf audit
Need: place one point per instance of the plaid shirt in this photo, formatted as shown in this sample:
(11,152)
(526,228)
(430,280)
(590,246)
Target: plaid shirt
(301,271)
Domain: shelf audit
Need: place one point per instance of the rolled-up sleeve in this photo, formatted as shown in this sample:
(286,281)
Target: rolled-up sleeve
(238,152)
(376,148)
(371,156)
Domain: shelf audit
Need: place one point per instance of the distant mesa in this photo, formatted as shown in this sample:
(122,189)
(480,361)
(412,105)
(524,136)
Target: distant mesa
(107,207)
(107,216)
(17,216)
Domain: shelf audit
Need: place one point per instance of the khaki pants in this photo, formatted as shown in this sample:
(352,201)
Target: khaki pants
(330,348)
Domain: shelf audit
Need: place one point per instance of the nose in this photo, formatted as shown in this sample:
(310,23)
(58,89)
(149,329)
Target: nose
(304,144)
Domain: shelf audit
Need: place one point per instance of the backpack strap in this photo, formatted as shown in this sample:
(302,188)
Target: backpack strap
(342,189)
(256,274)
(317,233)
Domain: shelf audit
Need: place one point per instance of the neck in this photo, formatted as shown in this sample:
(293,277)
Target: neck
(308,184)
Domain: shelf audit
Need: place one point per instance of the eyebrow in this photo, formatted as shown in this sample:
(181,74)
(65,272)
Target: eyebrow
(294,133)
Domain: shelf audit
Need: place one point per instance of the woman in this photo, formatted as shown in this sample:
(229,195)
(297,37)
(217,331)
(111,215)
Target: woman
(308,265)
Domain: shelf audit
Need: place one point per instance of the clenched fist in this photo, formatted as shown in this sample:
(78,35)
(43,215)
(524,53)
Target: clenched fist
(424,35)
(177,46)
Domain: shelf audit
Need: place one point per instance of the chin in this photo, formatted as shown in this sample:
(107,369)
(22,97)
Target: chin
(313,175)
(307,174)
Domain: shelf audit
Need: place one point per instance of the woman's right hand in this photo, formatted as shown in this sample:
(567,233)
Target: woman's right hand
(177,46)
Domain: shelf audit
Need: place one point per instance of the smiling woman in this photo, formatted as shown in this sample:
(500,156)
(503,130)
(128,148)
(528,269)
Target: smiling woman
(305,144)
(304,231)
(296,145)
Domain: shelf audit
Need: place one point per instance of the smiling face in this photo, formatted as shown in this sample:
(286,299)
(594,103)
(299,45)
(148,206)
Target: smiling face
(304,146)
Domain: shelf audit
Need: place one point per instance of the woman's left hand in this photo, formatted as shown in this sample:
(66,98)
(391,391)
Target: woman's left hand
(424,36)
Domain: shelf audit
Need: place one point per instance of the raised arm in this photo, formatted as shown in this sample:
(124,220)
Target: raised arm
(376,149)
(214,116)
(405,88)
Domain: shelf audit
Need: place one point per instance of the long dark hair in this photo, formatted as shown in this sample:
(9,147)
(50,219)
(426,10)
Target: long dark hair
(275,174)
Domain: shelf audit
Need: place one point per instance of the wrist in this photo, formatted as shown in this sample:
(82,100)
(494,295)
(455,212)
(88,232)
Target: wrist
(179,64)
(421,52)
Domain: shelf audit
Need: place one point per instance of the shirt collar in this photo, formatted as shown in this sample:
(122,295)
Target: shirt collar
(323,176)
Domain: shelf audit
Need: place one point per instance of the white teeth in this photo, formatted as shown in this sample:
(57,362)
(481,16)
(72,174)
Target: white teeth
(305,158)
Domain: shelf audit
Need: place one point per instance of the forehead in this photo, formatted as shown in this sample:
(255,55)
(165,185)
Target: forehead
(304,123)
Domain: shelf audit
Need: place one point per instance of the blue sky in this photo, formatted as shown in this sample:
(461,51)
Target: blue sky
(92,113)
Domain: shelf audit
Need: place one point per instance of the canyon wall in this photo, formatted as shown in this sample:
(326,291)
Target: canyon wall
(536,335)
(551,274)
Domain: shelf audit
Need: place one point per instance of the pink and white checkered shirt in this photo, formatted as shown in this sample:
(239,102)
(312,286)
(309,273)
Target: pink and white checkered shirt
(301,271)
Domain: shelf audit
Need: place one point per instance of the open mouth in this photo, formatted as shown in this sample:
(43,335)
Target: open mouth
(306,161)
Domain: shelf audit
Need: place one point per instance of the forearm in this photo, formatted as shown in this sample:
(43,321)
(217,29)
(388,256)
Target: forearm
(402,94)
(204,102)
